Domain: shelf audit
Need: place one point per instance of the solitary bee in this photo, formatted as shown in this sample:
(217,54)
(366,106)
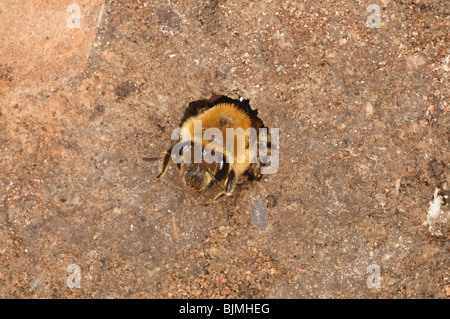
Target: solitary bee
(226,163)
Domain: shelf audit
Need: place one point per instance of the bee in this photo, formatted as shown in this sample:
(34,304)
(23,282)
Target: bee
(221,114)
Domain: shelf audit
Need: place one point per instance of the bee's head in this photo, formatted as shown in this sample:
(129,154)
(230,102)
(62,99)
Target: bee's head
(192,168)
(198,173)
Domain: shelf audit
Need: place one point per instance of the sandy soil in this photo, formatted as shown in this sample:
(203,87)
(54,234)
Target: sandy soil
(363,111)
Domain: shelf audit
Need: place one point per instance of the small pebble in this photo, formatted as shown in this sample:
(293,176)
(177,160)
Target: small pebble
(35,281)
(369,109)
(381,198)
(259,216)
(415,61)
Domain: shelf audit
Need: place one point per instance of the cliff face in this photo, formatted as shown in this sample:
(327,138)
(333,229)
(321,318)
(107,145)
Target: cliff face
(358,91)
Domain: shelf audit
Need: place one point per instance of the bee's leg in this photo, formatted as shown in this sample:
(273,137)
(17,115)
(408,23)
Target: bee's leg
(230,184)
(215,198)
(254,170)
(165,163)
(229,187)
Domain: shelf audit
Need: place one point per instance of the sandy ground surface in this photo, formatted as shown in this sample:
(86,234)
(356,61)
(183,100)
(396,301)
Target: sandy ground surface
(89,88)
